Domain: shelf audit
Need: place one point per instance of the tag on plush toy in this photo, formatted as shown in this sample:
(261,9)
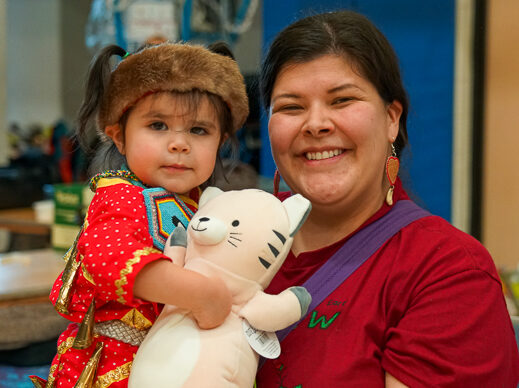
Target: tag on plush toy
(265,343)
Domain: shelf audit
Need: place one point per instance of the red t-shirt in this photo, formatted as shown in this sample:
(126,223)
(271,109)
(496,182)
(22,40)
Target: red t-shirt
(427,307)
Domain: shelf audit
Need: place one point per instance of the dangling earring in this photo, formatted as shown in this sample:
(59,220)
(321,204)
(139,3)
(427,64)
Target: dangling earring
(392,166)
(277,178)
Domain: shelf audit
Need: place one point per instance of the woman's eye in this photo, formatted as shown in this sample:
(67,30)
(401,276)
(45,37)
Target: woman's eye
(342,100)
(159,126)
(287,108)
(198,131)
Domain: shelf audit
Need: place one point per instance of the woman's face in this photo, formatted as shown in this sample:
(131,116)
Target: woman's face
(330,133)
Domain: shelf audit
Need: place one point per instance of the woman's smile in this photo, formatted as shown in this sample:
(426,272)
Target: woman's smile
(320,155)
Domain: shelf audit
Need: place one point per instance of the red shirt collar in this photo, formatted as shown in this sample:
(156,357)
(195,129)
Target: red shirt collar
(398,194)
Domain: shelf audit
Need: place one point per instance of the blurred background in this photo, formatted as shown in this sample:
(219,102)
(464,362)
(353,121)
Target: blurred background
(459,61)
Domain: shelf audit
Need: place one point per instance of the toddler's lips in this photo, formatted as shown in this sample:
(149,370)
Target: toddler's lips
(176,167)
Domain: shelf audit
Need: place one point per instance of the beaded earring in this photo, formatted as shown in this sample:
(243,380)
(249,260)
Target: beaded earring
(392,166)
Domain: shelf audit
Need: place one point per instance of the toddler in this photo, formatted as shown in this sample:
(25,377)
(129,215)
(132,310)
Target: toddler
(163,114)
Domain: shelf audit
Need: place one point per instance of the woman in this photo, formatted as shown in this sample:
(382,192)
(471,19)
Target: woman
(425,307)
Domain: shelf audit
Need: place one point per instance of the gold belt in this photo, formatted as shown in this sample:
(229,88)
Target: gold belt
(120,331)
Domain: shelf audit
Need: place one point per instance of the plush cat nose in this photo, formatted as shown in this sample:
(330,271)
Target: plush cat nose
(207,231)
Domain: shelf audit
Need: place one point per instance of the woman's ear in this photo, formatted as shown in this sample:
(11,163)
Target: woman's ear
(394,111)
(115,133)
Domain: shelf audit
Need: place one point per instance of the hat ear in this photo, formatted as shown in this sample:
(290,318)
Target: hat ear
(221,48)
(115,133)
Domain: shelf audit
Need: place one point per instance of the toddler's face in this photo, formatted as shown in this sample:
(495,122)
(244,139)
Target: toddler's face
(169,145)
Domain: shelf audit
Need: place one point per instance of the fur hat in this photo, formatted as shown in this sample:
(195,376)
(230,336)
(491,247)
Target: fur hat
(174,67)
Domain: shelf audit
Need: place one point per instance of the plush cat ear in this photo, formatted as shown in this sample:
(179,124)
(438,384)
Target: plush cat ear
(209,193)
(298,208)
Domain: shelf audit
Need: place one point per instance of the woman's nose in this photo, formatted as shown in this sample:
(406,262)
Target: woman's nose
(178,143)
(318,122)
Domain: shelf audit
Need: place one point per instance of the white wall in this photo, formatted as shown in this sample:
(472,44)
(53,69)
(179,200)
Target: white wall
(33,62)
(462,184)
(3,89)
(248,46)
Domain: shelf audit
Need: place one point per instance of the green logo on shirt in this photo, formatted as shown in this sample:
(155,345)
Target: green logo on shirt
(322,320)
(280,367)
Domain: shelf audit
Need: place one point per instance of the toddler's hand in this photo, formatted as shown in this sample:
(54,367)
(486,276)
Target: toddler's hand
(213,310)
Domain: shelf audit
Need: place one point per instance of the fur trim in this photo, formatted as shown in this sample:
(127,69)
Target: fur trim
(174,67)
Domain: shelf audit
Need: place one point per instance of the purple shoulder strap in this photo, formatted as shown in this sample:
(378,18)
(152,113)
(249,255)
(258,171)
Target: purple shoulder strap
(356,251)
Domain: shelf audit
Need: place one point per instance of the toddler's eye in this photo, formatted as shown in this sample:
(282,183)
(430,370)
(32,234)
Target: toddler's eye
(235,223)
(159,126)
(198,131)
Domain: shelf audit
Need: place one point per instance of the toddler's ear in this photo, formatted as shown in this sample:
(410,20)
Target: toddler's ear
(115,133)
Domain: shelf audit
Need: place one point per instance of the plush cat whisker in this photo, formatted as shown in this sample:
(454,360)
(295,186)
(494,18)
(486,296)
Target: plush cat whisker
(234,245)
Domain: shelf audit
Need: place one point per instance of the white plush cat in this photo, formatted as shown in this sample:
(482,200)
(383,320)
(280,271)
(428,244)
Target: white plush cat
(243,237)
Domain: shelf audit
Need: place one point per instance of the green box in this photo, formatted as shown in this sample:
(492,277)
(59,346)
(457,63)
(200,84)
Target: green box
(71,202)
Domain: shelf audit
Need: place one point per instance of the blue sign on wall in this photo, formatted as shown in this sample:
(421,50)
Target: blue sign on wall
(422,34)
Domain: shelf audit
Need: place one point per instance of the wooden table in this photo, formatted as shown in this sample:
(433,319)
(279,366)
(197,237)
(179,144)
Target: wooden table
(26,313)
(22,221)
(29,274)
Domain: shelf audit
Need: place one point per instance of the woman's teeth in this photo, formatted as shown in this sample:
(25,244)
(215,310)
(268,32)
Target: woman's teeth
(322,155)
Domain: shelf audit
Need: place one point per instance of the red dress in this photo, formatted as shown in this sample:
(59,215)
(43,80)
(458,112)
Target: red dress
(114,246)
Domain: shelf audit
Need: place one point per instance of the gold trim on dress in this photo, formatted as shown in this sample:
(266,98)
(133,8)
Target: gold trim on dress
(120,373)
(62,348)
(86,329)
(67,279)
(36,382)
(85,220)
(68,276)
(111,181)
(136,319)
(87,274)
(119,283)
(86,379)
(66,345)
(51,378)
